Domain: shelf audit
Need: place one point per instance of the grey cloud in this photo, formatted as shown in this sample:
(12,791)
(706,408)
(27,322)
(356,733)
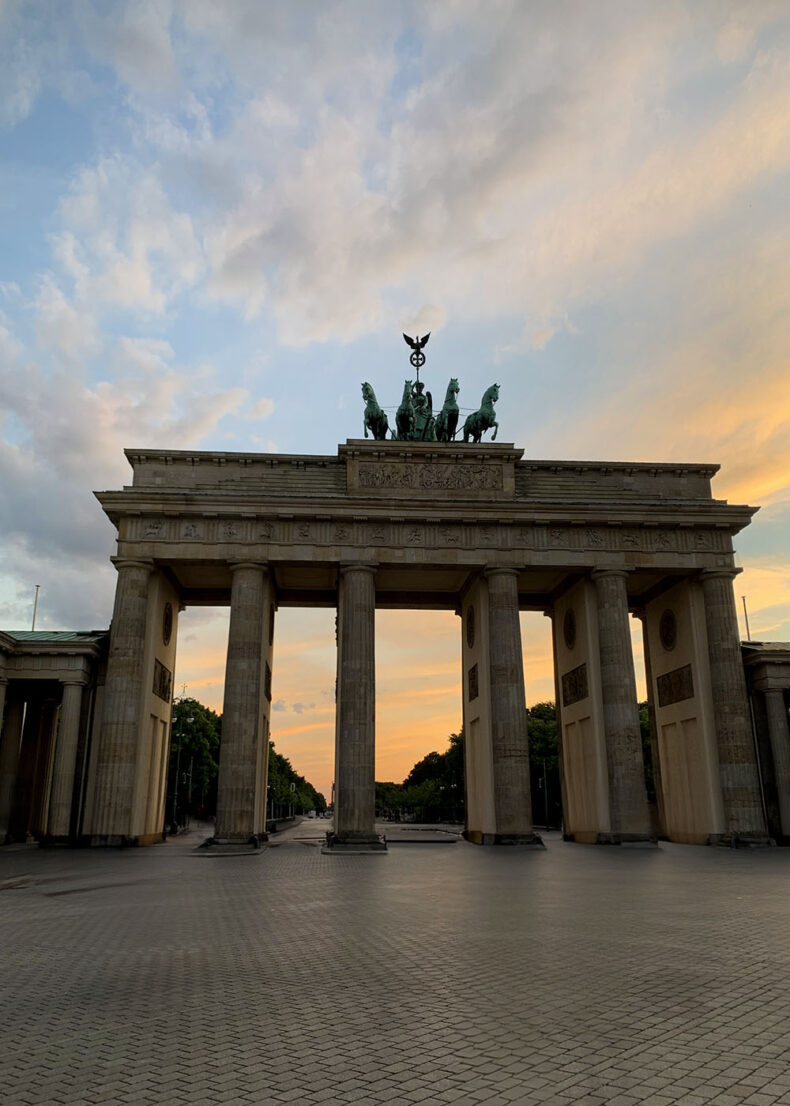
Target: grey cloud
(69,440)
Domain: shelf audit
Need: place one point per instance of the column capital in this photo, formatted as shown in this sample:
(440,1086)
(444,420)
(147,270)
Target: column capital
(74,681)
(602,573)
(728,573)
(768,684)
(358,567)
(501,570)
(263,566)
(132,562)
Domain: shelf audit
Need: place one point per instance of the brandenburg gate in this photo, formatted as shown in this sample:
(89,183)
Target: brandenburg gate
(414,519)
(470,527)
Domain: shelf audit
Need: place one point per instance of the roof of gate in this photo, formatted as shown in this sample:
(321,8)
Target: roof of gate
(306,476)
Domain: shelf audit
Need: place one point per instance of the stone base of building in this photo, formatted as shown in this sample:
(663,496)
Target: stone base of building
(354,843)
(635,840)
(530,840)
(741,840)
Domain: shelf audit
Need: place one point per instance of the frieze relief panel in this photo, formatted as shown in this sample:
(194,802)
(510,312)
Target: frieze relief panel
(431,477)
(582,539)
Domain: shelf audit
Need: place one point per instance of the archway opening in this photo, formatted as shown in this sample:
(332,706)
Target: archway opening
(419,717)
(542,720)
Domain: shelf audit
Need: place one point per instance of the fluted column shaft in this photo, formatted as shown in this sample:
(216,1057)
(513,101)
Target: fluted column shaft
(65,761)
(38,820)
(779,736)
(117,756)
(510,749)
(740,784)
(355,746)
(10,744)
(629,815)
(237,795)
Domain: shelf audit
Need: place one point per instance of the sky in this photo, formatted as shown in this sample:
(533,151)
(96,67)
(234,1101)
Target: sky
(217,218)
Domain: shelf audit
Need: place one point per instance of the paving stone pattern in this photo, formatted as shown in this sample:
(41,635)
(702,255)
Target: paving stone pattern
(434,974)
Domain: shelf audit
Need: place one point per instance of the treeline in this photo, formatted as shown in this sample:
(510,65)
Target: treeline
(290,793)
(434,790)
(196,735)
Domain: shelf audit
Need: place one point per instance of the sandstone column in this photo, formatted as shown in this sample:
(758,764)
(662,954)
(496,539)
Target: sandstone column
(740,783)
(65,761)
(510,749)
(19,819)
(238,801)
(3,687)
(42,771)
(10,743)
(117,754)
(779,736)
(655,751)
(629,814)
(355,717)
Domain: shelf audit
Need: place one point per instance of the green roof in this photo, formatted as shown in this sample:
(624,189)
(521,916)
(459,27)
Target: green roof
(56,636)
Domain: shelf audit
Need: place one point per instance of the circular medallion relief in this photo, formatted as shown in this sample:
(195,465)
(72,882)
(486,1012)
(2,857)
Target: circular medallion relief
(569,628)
(167,623)
(668,630)
(470,626)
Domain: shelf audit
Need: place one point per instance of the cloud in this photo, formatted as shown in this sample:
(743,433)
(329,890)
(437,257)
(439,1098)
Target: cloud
(69,438)
(261,409)
(122,242)
(60,326)
(133,37)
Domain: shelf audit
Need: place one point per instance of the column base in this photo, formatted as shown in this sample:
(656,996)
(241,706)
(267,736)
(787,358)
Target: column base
(637,840)
(530,840)
(350,844)
(742,840)
(110,841)
(234,846)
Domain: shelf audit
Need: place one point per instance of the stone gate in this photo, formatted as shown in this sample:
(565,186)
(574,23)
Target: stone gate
(471,528)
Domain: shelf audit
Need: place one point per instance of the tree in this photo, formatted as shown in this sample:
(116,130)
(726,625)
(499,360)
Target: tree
(542,731)
(195,738)
(290,793)
(432,792)
(544,762)
(195,735)
(647,750)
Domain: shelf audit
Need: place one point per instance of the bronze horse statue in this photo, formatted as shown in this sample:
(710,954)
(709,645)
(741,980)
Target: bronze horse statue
(447,419)
(405,415)
(482,420)
(375,419)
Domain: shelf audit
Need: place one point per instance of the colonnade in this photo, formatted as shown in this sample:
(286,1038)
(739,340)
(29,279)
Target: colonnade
(706,768)
(38,759)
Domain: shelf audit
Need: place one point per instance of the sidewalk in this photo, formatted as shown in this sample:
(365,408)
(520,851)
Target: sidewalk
(429,975)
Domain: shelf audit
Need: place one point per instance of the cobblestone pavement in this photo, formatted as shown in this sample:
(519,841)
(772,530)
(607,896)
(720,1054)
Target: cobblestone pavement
(432,974)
